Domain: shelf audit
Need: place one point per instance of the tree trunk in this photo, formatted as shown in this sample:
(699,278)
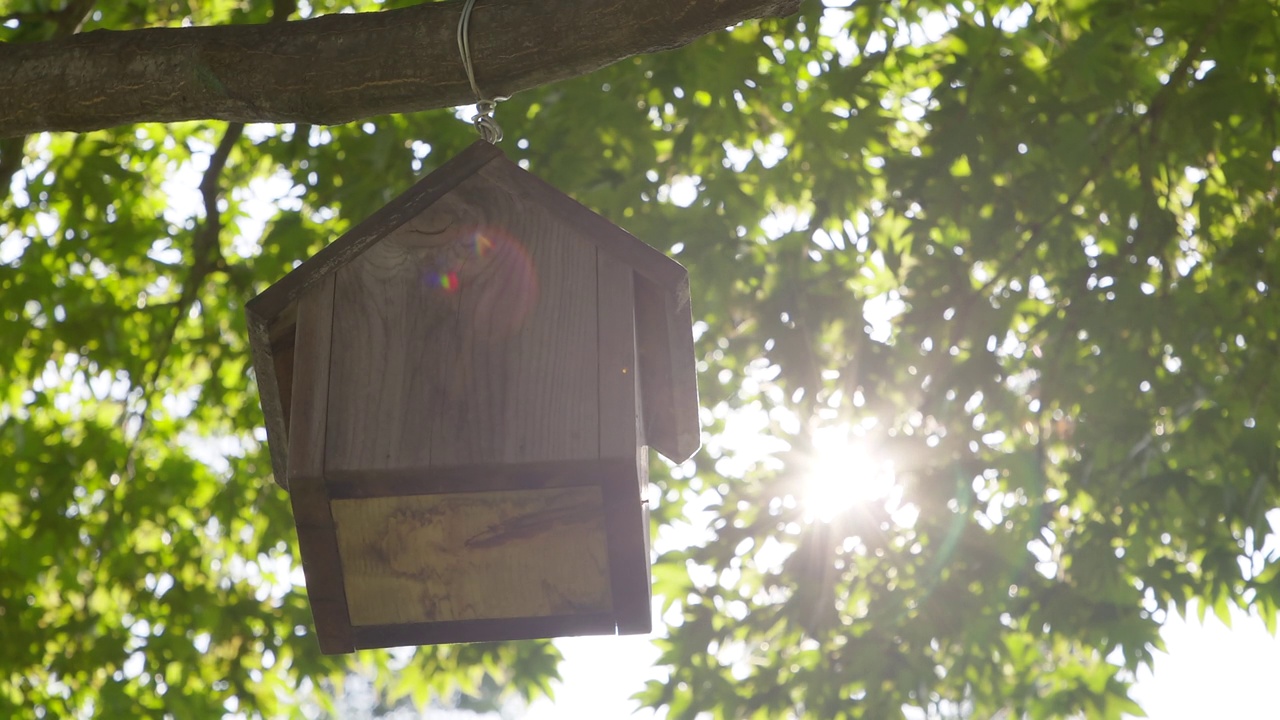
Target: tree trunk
(338,68)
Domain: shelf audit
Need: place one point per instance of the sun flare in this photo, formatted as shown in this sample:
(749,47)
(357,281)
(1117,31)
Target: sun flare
(842,474)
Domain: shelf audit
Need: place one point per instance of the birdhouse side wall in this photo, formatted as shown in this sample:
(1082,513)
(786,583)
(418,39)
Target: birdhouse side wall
(668,376)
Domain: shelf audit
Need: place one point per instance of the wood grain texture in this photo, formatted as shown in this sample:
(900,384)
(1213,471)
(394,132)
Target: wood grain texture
(668,374)
(491,477)
(276,301)
(282,354)
(621,437)
(470,412)
(340,67)
(272,314)
(619,427)
(665,330)
(522,628)
(466,335)
(269,394)
(474,556)
(607,237)
(316,539)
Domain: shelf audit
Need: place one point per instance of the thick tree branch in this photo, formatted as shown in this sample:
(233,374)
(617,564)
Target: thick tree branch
(67,21)
(338,68)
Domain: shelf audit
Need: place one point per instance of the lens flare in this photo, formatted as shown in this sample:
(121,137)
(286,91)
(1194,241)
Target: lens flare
(842,474)
(491,275)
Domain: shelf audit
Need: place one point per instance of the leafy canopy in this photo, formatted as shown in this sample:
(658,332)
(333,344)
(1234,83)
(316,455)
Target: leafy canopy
(1018,250)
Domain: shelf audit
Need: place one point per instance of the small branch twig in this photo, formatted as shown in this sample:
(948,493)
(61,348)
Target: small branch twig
(206,257)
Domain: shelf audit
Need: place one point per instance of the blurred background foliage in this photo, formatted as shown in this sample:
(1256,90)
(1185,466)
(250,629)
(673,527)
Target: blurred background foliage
(1021,251)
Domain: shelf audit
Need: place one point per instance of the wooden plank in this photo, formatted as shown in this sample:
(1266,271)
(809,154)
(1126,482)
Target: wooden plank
(317,543)
(264,371)
(353,484)
(657,266)
(627,518)
(643,623)
(668,375)
(621,438)
(663,309)
(282,356)
(465,336)
(276,299)
(524,628)
(321,565)
(474,556)
(619,413)
(270,313)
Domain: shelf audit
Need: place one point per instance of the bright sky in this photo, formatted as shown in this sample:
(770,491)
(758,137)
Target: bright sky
(1210,673)
(600,676)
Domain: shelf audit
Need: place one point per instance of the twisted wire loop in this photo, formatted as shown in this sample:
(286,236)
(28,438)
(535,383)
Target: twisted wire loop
(488,128)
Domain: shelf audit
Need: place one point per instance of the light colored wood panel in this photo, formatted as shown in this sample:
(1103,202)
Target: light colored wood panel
(312,347)
(619,410)
(607,237)
(272,315)
(392,357)
(474,556)
(665,328)
(668,376)
(464,337)
(276,303)
(527,337)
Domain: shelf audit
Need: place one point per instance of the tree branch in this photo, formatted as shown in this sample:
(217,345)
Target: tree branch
(338,68)
(67,21)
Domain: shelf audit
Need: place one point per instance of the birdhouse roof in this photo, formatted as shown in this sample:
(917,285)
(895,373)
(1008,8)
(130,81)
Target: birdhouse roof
(664,333)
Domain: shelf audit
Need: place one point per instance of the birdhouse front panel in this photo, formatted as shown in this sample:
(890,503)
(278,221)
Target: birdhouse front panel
(466,336)
(460,383)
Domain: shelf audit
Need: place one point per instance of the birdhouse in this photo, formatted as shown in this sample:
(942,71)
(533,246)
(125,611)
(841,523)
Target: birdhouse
(459,395)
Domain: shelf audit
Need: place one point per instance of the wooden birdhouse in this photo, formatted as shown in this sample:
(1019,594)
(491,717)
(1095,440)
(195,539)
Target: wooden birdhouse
(458,394)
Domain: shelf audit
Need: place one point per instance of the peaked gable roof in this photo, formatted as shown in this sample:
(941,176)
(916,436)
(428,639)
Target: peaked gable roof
(664,326)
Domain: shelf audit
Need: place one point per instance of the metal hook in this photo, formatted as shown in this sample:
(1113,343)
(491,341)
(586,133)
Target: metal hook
(488,128)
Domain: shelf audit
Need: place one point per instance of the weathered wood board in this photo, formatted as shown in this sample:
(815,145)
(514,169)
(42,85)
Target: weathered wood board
(466,334)
(306,472)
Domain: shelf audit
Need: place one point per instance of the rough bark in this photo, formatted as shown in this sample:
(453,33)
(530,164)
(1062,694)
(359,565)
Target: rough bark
(338,68)
(66,21)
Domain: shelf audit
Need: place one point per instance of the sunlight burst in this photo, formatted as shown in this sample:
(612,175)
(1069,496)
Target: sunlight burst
(843,473)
